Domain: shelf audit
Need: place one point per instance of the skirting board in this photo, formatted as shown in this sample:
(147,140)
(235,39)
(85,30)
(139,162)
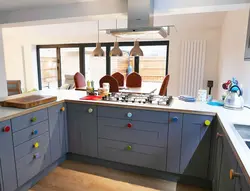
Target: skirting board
(183,179)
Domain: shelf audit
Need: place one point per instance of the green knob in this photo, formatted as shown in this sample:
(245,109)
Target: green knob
(129,148)
(33,119)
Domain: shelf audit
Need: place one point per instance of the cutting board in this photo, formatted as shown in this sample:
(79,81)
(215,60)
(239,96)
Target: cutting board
(91,97)
(29,101)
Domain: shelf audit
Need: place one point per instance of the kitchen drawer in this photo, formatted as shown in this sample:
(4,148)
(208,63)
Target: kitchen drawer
(32,164)
(146,133)
(91,110)
(28,147)
(133,114)
(30,132)
(133,154)
(24,121)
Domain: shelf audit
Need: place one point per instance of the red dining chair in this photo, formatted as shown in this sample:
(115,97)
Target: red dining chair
(79,80)
(164,86)
(113,83)
(134,80)
(119,77)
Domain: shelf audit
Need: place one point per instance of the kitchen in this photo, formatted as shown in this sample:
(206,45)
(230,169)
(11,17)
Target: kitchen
(184,154)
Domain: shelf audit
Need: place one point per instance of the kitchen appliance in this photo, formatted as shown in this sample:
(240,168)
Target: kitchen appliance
(144,99)
(234,99)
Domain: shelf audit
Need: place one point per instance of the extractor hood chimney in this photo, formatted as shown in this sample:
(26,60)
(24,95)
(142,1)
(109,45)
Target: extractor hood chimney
(140,22)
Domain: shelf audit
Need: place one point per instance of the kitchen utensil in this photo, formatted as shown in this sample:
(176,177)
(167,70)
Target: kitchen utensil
(234,99)
(187,98)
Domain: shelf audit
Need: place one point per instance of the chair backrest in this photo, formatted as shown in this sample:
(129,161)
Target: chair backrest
(134,80)
(113,83)
(164,86)
(79,80)
(119,77)
(14,87)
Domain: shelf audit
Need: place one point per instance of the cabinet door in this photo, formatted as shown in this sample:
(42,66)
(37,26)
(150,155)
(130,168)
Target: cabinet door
(82,129)
(174,142)
(58,131)
(7,163)
(228,162)
(195,145)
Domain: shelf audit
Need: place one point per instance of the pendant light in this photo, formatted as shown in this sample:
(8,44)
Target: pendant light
(136,50)
(116,51)
(98,50)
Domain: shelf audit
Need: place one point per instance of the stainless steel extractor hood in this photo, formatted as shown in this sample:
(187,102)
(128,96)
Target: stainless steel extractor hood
(140,22)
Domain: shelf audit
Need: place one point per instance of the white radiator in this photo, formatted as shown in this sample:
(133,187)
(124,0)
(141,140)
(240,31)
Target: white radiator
(193,58)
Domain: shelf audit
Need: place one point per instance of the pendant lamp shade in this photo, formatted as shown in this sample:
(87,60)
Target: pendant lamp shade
(98,50)
(116,51)
(136,50)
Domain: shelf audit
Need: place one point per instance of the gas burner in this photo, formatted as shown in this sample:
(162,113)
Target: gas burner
(139,98)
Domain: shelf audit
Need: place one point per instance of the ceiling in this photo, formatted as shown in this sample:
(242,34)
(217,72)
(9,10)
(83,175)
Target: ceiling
(9,5)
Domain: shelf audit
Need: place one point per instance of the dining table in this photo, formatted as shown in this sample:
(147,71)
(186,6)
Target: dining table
(144,89)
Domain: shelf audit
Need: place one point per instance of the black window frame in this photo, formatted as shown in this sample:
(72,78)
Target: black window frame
(82,47)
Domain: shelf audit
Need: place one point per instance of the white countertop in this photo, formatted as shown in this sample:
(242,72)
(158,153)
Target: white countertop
(226,117)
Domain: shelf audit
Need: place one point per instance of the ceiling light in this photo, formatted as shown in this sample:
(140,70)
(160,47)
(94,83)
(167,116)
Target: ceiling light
(98,50)
(136,50)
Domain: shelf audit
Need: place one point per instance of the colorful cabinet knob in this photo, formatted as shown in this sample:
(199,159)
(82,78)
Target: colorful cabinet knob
(129,148)
(34,132)
(33,119)
(174,119)
(62,109)
(129,125)
(90,110)
(36,145)
(6,129)
(36,156)
(207,122)
(233,174)
(129,115)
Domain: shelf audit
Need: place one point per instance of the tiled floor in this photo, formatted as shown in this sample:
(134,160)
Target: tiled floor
(74,176)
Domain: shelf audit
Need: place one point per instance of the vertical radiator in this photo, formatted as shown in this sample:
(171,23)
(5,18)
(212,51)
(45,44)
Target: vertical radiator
(193,58)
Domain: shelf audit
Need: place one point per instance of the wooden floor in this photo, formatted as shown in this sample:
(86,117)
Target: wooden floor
(74,176)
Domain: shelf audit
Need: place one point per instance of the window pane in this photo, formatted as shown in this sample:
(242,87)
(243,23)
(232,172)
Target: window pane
(95,67)
(48,63)
(153,63)
(69,64)
(121,64)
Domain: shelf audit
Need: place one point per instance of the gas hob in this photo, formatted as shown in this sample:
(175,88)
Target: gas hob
(139,99)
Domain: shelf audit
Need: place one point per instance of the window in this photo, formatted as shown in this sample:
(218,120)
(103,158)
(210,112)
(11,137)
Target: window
(56,61)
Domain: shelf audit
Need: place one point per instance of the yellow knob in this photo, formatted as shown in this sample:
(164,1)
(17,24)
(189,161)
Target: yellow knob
(207,122)
(233,174)
(36,145)
(62,109)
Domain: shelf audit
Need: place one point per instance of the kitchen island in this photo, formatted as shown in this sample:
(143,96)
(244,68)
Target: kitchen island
(190,142)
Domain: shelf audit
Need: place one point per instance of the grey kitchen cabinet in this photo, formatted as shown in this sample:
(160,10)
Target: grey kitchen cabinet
(247,48)
(58,131)
(196,137)
(8,181)
(82,129)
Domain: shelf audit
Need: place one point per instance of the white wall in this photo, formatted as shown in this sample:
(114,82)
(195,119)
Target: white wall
(232,62)
(3,83)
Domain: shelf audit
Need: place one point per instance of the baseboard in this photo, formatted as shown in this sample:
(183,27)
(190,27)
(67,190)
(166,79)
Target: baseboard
(184,179)
(41,175)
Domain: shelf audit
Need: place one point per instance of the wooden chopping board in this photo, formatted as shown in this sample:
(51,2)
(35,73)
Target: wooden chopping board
(29,101)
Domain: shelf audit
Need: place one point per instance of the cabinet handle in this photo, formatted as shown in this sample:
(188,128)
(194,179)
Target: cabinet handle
(6,129)
(33,119)
(34,132)
(36,145)
(233,174)
(36,156)
(218,135)
(129,114)
(62,109)
(207,123)
(129,125)
(90,110)
(129,148)
(174,119)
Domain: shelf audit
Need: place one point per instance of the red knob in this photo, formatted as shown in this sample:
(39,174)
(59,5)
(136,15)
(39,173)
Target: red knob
(6,129)
(129,125)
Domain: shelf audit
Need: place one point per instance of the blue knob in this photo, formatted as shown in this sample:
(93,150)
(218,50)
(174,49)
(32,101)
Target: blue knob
(174,119)
(129,114)
(34,132)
